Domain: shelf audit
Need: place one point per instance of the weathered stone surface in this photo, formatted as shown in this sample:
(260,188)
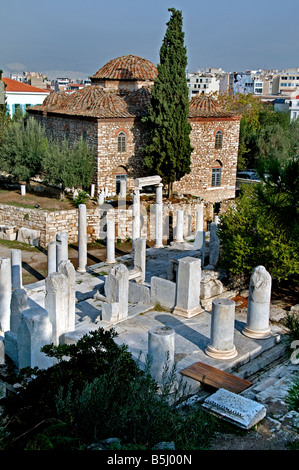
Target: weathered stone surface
(27,235)
(236,409)
(19,303)
(163,292)
(161,352)
(117,290)
(147,181)
(11,346)
(139,293)
(221,344)
(2,353)
(188,287)
(34,332)
(56,304)
(258,312)
(8,233)
(5,293)
(214,245)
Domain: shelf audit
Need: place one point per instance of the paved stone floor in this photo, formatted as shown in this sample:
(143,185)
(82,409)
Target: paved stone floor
(266,363)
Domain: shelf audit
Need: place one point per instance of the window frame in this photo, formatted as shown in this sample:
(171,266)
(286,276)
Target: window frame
(121,142)
(216,177)
(218,139)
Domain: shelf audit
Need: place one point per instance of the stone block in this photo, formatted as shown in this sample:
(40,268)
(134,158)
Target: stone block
(29,236)
(34,332)
(236,409)
(8,233)
(188,287)
(139,293)
(11,346)
(110,312)
(163,292)
(210,285)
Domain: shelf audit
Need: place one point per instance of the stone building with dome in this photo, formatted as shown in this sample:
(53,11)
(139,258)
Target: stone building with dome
(108,114)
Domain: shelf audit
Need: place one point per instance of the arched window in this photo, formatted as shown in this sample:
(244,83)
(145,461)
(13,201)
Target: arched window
(121,142)
(218,139)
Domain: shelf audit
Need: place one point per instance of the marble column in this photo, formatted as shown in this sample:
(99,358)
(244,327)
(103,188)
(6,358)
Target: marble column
(110,239)
(136,215)
(221,344)
(159,216)
(51,257)
(199,219)
(61,248)
(5,294)
(161,352)
(82,239)
(16,269)
(179,233)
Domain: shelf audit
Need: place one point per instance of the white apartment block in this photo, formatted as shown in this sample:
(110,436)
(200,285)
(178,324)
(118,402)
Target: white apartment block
(286,82)
(202,82)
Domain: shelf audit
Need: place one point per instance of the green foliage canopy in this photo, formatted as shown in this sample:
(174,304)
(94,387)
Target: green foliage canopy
(262,227)
(23,146)
(68,166)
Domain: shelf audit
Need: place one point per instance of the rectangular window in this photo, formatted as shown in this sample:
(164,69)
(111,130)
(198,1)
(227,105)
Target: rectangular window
(216,177)
(118,179)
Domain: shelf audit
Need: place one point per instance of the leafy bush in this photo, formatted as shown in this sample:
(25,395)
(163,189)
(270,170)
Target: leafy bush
(81,198)
(293,395)
(97,391)
(254,232)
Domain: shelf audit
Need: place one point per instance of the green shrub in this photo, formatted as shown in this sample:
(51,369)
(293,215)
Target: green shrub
(81,198)
(95,391)
(293,395)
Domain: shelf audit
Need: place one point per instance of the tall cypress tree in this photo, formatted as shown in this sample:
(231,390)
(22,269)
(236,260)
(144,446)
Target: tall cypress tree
(168,152)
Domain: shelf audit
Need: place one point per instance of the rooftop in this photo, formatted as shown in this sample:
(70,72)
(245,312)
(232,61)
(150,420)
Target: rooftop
(205,106)
(127,67)
(16,86)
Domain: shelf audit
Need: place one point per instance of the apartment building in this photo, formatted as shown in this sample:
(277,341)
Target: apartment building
(286,82)
(202,83)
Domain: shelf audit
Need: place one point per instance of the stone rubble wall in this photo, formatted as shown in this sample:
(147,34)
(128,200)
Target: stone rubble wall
(49,223)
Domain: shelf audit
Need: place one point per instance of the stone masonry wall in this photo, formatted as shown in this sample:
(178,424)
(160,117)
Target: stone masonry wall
(205,157)
(49,223)
(101,134)
(110,161)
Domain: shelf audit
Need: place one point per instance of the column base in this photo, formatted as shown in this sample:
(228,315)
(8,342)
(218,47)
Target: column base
(187,313)
(110,261)
(218,354)
(256,334)
(81,270)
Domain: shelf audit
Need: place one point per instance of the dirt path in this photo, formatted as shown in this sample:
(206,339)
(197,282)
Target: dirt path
(34,261)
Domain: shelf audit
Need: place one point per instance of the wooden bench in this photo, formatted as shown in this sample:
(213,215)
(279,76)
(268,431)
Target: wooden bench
(215,377)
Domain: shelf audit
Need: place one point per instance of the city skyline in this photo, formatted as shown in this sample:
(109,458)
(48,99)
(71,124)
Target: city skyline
(77,37)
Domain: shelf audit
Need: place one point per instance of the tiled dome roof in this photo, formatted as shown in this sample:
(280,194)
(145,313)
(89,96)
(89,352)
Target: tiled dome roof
(205,106)
(140,99)
(89,101)
(127,67)
(54,99)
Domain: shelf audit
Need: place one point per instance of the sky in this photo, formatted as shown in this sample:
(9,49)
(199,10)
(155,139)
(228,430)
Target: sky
(82,36)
